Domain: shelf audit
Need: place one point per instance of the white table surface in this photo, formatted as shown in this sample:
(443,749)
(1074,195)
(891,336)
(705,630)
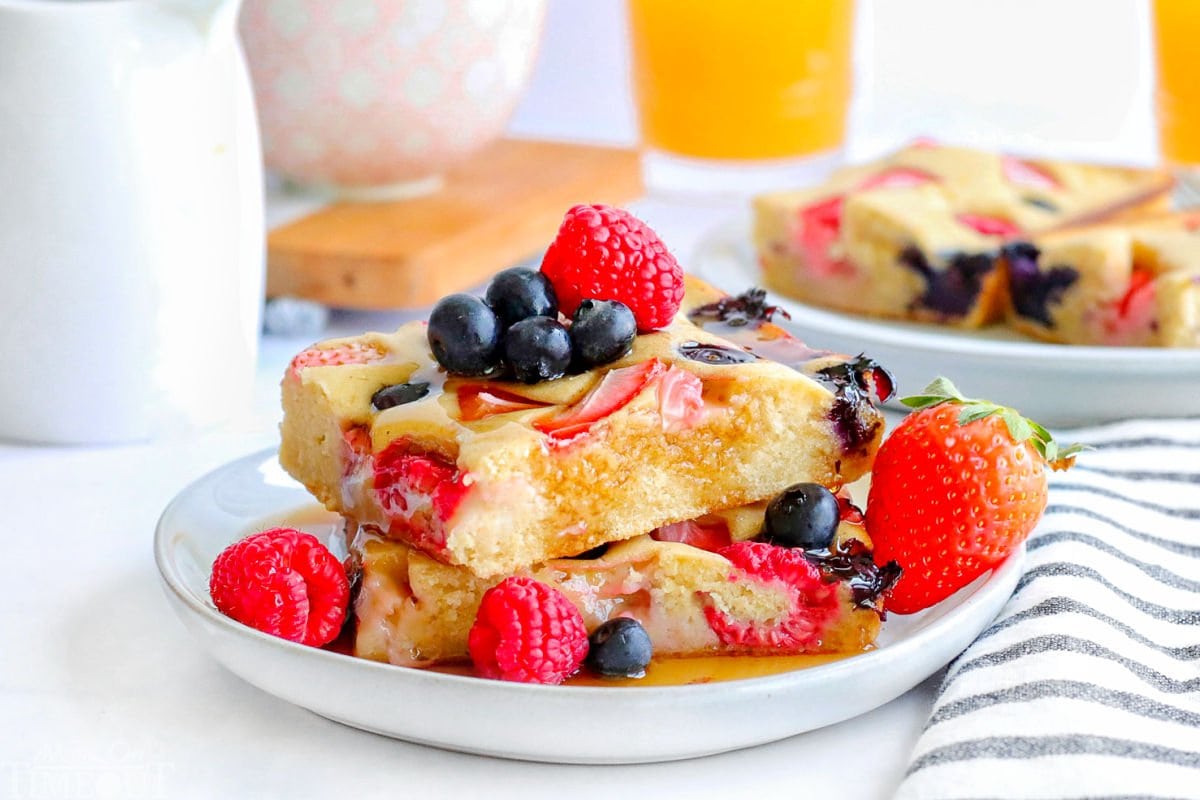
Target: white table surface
(104,694)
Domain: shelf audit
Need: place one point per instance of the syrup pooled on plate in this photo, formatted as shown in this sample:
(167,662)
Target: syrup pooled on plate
(328,527)
(690,671)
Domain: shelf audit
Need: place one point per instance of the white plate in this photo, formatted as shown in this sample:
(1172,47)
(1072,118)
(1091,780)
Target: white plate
(1057,385)
(567,724)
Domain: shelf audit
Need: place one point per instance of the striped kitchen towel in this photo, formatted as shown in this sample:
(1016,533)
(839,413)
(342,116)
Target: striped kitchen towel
(1087,685)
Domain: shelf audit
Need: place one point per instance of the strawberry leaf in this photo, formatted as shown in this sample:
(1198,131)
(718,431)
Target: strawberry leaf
(917,402)
(974,411)
(1063,458)
(1040,432)
(940,391)
(945,388)
(1020,428)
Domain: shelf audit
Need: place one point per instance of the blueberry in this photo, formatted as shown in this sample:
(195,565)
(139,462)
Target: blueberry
(464,335)
(1035,288)
(619,648)
(518,293)
(398,394)
(953,290)
(538,349)
(602,331)
(805,515)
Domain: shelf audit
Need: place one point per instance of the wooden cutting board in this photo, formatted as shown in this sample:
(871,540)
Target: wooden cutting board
(500,207)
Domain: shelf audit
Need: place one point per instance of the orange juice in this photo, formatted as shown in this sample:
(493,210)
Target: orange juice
(728,79)
(1177,27)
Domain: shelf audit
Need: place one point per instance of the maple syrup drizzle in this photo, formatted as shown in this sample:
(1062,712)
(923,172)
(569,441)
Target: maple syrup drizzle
(745,321)
(690,671)
(766,340)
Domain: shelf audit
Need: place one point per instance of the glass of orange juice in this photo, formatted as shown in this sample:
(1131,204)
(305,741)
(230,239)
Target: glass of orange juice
(736,96)
(1177,31)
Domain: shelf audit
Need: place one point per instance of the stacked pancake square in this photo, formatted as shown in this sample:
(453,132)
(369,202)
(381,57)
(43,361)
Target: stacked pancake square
(626,487)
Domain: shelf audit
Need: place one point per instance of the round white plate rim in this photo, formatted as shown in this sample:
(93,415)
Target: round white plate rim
(931,339)
(1000,580)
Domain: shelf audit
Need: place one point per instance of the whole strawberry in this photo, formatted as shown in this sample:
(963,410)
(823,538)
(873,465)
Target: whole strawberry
(957,486)
(606,253)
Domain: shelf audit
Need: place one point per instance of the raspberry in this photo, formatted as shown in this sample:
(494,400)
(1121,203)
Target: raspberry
(527,631)
(606,253)
(813,603)
(283,582)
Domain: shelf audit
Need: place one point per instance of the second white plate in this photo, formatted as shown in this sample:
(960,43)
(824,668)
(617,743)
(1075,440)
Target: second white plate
(1057,385)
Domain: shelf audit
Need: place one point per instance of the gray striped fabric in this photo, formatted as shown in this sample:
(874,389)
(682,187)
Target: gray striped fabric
(1088,683)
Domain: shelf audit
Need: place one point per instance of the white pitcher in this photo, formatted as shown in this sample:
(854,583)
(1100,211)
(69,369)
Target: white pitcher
(131,219)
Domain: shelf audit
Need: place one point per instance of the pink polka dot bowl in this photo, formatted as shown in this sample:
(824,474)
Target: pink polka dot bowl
(375,99)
